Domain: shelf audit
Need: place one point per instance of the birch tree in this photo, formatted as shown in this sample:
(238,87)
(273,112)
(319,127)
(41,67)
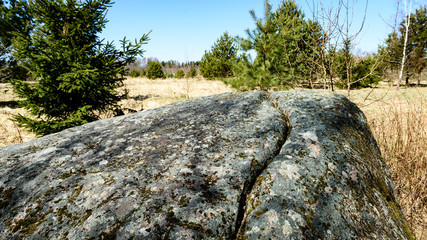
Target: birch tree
(407,23)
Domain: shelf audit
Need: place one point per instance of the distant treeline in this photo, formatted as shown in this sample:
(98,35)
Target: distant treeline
(171,68)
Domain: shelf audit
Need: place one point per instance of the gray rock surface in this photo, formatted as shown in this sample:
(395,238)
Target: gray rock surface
(285,165)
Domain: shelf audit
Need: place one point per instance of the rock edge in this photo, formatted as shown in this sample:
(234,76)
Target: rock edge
(291,165)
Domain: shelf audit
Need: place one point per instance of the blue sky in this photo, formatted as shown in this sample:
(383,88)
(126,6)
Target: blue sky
(183,29)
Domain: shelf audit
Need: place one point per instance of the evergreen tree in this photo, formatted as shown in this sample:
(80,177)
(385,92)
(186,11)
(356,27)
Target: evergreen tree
(191,73)
(419,36)
(365,71)
(352,72)
(154,70)
(344,65)
(75,73)
(311,52)
(283,41)
(220,59)
(134,73)
(13,18)
(256,74)
(288,55)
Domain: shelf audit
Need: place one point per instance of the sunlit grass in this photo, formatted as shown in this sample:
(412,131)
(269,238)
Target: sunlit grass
(143,94)
(166,91)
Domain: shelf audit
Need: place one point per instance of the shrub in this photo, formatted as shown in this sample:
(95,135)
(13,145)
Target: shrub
(364,73)
(134,73)
(179,74)
(155,70)
(192,73)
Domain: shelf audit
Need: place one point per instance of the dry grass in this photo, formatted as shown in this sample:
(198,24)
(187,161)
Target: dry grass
(9,132)
(398,121)
(143,94)
(155,93)
(401,131)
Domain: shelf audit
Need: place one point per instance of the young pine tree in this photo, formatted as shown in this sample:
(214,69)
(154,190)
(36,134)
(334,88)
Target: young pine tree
(75,74)
(191,73)
(288,55)
(283,42)
(154,70)
(220,59)
(250,74)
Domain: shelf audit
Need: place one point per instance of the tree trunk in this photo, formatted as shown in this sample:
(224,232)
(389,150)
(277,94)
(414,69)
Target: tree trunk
(407,22)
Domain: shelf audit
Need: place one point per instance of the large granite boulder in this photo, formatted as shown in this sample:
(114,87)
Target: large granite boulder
(285,165)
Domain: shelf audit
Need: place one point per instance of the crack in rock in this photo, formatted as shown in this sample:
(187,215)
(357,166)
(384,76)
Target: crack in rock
(256,172)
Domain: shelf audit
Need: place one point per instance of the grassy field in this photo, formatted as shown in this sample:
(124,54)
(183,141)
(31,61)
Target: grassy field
(143,94)
(398,120)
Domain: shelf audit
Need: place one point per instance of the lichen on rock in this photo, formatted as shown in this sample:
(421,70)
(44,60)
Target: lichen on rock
(248,165)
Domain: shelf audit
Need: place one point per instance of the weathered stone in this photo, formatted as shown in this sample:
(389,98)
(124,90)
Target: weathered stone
(285,165)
